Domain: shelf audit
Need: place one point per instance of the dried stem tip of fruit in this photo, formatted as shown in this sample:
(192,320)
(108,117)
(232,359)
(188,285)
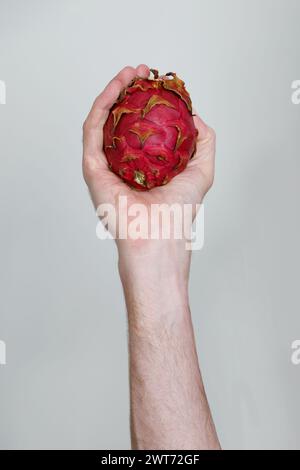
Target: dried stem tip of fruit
(139,177)
(155,73)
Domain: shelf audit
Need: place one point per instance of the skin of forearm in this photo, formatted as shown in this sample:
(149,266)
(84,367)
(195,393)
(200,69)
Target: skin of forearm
(169,409)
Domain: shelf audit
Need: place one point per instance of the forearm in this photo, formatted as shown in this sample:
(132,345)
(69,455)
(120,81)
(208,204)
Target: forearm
(169,409)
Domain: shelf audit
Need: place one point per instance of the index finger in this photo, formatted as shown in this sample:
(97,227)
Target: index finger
(102,104)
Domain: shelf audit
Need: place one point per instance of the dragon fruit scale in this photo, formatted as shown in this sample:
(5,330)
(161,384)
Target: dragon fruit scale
(149,135)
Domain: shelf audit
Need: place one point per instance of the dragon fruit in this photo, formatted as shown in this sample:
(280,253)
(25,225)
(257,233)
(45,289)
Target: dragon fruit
(150,135)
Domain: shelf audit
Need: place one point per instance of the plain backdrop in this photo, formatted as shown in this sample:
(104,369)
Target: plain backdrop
(65,384)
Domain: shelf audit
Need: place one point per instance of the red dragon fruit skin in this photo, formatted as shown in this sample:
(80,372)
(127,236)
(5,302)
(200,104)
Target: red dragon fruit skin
(149,135)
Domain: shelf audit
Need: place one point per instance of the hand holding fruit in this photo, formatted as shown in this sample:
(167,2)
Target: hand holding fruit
(169,142)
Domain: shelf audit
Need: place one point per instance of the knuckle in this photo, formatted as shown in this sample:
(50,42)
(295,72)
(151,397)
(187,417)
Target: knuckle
(211,133)
(128,68)
(88,169)
(85,126)
(118,84)
(210,180)
(91,165)
(88,163)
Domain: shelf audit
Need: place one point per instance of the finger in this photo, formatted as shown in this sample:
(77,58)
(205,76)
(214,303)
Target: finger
(204,158)
(94,161)
(200,125)
(92,128)
(206,140)
(102,104)
(142,71)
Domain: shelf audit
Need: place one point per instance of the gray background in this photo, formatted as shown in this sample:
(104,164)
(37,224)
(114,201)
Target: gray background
(65,384)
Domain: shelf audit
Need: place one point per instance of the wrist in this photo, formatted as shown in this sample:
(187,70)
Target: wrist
(155,281)
(156,260)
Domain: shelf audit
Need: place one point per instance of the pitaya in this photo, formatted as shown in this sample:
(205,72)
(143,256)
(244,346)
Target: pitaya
(150,135)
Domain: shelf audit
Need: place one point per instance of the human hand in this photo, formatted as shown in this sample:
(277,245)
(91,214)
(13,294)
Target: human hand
(188,187)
